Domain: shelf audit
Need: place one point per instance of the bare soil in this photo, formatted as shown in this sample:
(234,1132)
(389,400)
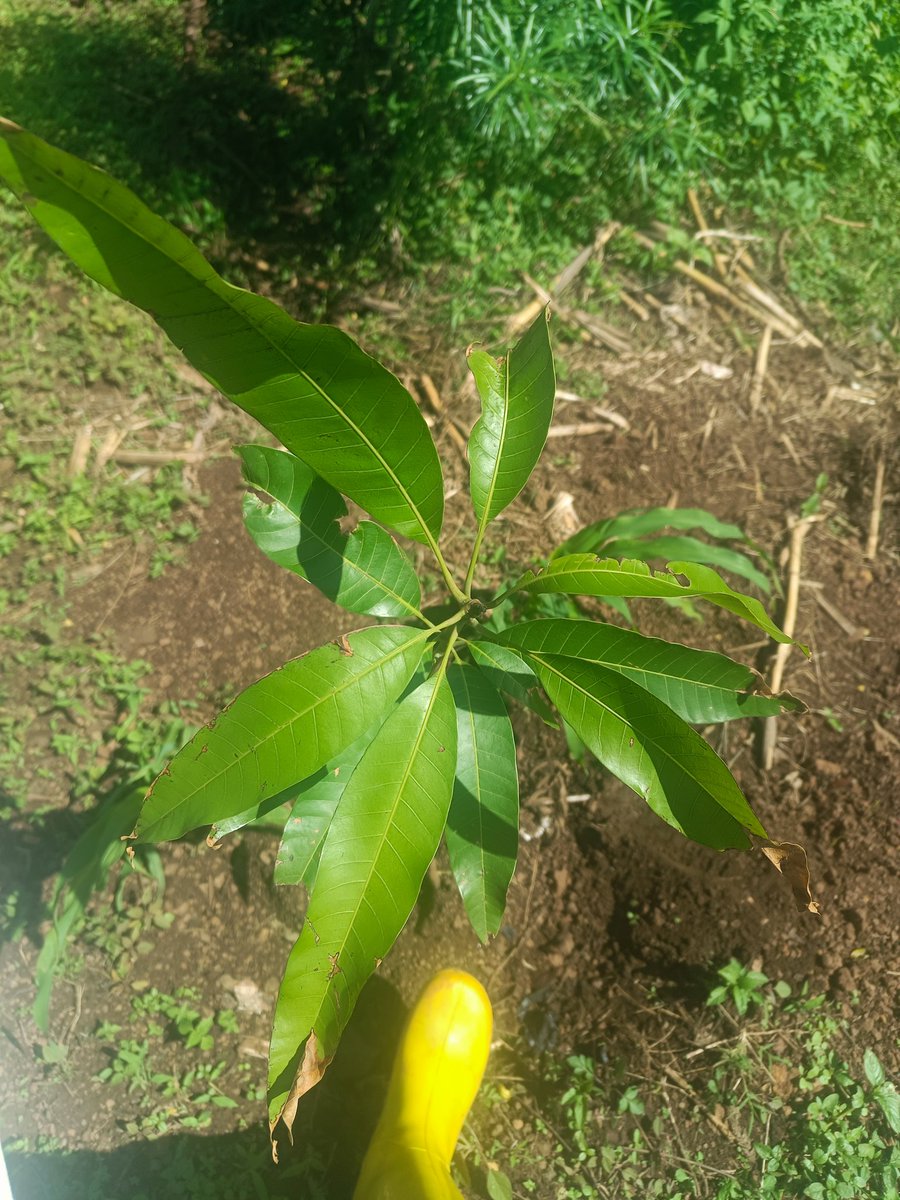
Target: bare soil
(608,905)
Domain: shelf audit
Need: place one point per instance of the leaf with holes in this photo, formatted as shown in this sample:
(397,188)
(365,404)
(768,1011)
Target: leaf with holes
(586,575)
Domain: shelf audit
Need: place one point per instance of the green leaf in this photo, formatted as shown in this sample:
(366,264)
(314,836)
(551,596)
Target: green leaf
(316,801)
(517,407)
(587,575)
(700,686)
(639,522)
(265,815)
(364,572)
(690,550)
(873,1068)
(888,1101)
(280,730)
(377,849)
(657,754)
(510,673)
(498,1185)
(482,832)
(327,401)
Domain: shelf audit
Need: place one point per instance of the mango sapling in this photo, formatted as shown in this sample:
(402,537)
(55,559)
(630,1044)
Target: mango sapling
(368,750)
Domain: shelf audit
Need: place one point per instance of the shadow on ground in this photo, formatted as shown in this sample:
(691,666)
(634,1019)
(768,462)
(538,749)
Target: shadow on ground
(333,1128)
(296,124)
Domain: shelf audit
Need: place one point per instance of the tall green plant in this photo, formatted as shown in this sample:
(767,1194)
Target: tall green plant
(375,746)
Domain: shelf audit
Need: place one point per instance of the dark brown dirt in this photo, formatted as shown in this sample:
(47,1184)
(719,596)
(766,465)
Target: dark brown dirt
(607,901)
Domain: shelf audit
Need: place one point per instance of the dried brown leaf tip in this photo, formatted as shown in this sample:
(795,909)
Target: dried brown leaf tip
(309,1073)
(790,859)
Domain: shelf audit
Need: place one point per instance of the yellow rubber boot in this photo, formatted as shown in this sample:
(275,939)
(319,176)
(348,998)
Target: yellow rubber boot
(436,1076)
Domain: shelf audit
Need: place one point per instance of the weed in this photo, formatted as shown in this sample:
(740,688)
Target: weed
(182,1094)
(740,985)
(775,1075)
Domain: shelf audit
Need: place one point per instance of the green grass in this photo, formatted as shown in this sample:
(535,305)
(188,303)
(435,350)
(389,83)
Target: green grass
(169,1097)
(78,361)
(348,149)
(76,720)
(800,1119)
(169,1067)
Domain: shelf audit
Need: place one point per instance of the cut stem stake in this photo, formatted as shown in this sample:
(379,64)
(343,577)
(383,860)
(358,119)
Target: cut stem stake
(789,624)
(877,503)
(760,368)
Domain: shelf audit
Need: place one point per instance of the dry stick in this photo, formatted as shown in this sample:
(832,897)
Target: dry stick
(714,287)
(433,397)
(605,414)
(888,737)
(760,367)
(566,277)
(842,221)
(877,503)
(108,447)
(586,429)
(756,293)
(729,235)
(642,313)
(81,449)
(718,259)
(765,309)
(600,331)
(590,327)
(851,630)
(714,1120)
(788,624)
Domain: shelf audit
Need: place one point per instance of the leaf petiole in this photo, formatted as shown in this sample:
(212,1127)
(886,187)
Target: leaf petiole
(461,597)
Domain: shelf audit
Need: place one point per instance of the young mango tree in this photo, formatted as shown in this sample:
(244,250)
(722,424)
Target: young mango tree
(374,747)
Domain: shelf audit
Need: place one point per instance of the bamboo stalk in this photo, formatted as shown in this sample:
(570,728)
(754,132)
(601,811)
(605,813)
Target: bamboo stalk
(564,279)
(591,327)
(635,306)
(81,449)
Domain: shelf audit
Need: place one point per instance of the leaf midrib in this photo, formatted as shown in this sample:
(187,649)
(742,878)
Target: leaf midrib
(624,668)
(495,474)
(363,892)
(479,808)
(550,573)
(674,761)
(210,777)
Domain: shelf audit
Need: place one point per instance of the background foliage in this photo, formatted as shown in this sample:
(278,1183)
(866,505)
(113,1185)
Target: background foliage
(408,131)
